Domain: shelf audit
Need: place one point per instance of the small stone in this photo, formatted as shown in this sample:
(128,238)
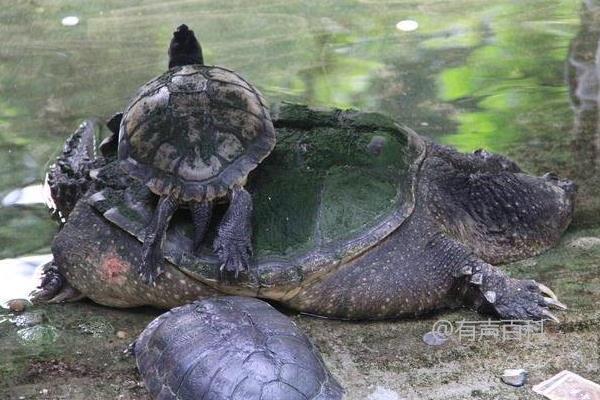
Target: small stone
(383,393)
(44,391)
(18,305)
(585,243)
(435,338)
(122,334)
(514,377)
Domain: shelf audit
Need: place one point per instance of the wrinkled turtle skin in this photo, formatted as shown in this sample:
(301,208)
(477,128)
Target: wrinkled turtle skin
(355,218)
(181,354)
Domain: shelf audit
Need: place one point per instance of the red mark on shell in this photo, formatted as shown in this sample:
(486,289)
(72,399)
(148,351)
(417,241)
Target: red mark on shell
(113,269)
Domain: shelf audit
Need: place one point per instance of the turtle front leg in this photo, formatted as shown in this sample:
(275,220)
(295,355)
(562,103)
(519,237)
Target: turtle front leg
(54,287)
(491,290)
(152,264)
(233,244)
(201,214)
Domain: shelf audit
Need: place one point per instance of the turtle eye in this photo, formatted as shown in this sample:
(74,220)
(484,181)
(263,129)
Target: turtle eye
(551,176)
(481,153)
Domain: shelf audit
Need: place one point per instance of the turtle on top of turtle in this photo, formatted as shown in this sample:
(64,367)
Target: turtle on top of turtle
(192,135)
(355,217)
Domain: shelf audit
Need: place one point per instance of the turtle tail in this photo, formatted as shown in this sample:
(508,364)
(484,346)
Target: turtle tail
(184,48)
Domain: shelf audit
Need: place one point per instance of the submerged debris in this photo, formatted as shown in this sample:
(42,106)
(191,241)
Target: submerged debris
(96,327)
(38,335)
(28,319)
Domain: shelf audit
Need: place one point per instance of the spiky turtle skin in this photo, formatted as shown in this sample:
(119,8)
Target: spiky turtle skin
(196,131)
(182,356)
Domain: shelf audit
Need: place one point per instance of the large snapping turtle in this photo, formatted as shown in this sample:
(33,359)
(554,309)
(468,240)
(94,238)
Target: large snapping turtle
(355,217)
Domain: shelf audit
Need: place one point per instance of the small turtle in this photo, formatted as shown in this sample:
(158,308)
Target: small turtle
(181,354)
(192,135)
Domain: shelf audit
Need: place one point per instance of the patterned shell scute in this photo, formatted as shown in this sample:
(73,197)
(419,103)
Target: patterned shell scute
(196,131)
(231,348)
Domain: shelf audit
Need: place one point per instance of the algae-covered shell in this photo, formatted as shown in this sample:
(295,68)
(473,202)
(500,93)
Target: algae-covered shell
(231,348)
(336,184)
(195,131)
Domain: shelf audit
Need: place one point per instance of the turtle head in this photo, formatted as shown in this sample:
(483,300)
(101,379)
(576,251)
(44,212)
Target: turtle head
(487,202)
(184,48)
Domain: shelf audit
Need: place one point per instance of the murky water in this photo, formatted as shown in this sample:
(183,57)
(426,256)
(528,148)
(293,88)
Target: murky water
(518,77)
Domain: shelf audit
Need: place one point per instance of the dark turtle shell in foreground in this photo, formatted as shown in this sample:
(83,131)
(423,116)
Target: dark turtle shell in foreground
(181,354)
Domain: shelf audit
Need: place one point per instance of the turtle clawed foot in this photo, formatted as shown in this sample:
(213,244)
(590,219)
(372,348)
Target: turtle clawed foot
(234,254)
(525,300)
(54,288)
(151,266)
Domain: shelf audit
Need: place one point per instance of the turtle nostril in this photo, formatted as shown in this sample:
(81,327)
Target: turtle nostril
(568,186)
(481,153)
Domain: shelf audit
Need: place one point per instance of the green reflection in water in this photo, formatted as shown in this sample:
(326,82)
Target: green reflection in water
(475,73)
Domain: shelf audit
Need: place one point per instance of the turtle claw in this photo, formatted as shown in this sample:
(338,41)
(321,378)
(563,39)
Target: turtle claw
(233,254)
(150,269)
(149,276)
(151,266)
(547,291)
(67,294)
(51,285)
(550,316)
(554,303)
(519,299)
(54,288)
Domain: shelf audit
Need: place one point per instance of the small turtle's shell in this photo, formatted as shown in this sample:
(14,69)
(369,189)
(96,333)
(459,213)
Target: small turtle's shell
(195,131)
(231,348)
